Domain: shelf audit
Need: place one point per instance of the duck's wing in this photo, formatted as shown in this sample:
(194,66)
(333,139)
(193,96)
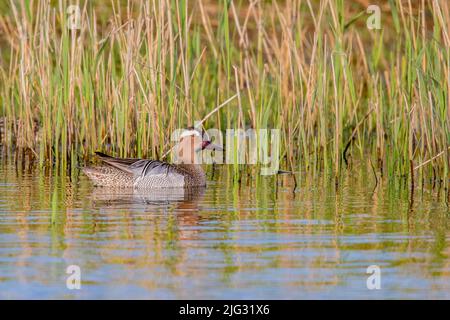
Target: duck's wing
(138,167)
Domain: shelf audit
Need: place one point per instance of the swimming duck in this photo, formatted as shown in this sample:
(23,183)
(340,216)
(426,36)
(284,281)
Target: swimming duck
(144,173)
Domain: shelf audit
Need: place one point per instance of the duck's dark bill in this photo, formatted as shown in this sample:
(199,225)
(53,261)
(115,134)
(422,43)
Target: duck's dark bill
(208,145)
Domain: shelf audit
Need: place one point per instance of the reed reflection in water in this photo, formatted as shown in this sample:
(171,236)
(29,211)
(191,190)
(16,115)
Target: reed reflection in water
(253,239)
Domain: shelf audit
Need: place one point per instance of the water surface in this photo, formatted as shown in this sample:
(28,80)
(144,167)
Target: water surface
(253,240)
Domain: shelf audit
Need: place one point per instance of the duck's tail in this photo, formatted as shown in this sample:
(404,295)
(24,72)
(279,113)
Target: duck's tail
(108,177)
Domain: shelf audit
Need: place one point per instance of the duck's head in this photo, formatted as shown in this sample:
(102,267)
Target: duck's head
(191,142)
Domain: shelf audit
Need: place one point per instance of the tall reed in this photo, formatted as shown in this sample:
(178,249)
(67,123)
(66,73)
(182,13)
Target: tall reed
(137,70)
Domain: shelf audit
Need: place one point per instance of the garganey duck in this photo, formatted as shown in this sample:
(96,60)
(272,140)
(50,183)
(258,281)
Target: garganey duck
(143,173)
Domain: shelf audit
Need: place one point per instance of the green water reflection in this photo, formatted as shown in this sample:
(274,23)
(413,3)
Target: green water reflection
(256,239)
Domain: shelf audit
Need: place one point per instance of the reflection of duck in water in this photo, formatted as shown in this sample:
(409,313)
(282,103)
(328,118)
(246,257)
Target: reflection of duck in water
(142,174)
(183,203)
(182,197)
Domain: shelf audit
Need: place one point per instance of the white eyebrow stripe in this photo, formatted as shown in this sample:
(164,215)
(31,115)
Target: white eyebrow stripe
(188,133)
